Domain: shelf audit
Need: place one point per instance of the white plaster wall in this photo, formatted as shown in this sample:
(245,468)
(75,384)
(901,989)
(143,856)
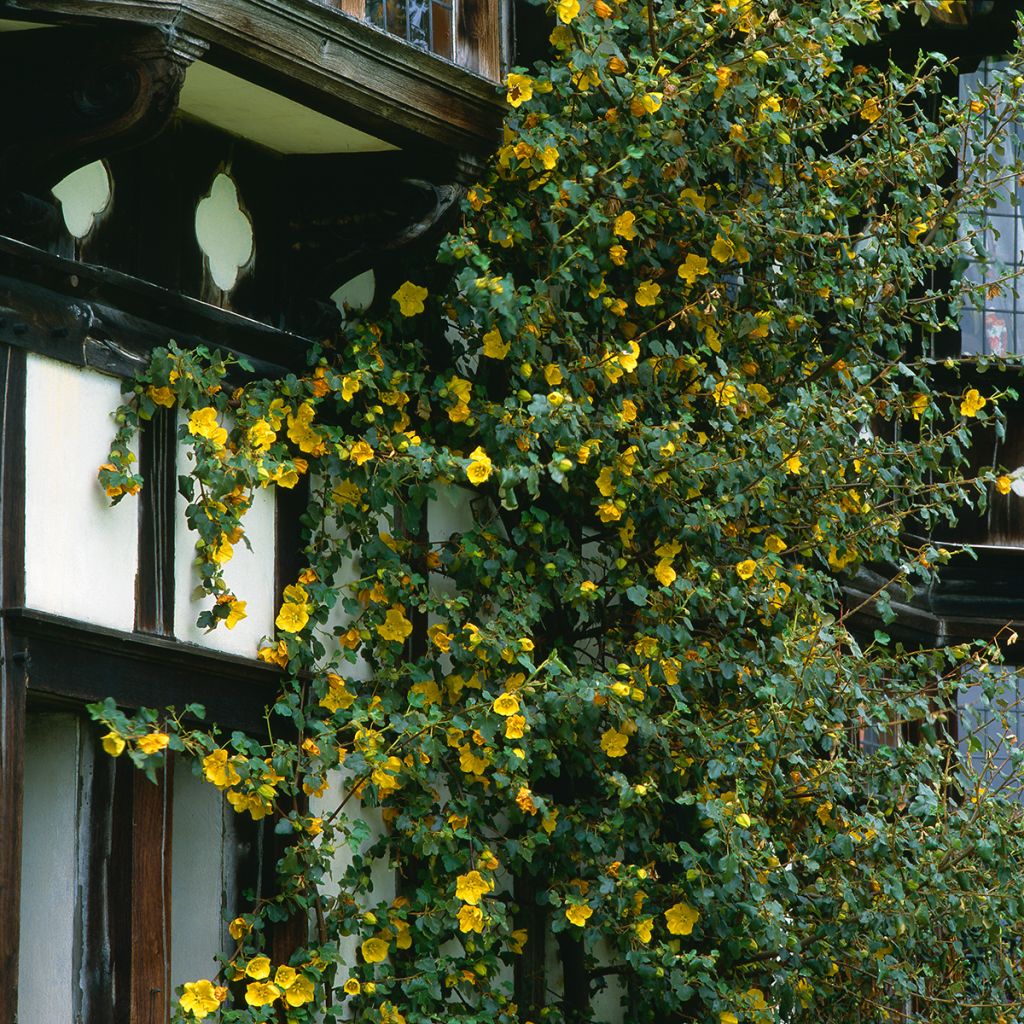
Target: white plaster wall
(197,876)
(249,574)
(48,869)
(81,555)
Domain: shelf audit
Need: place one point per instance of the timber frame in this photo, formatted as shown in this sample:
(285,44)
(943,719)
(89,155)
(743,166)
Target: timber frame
(320,57)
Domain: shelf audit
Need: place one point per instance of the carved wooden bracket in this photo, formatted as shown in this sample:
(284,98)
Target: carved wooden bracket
(83,93)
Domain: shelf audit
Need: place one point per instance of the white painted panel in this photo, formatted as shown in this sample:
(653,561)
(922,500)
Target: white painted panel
(449,514)
(197,876)
(249,574)
(84,196)
(272,120)
(224,232)
(81,555)
(48,867)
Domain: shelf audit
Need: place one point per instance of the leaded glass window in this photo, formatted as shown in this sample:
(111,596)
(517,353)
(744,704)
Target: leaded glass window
(991,731)
(423,23)
(995,323)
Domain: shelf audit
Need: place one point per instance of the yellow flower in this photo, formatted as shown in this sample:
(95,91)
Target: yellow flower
(608,512)
(651,101)
(161,396)
(625,225)
(727,1017)
(774,543)
(203,423)
(470,763)
(692,268)
(723,249)
(517,940)
(567,10)
(870,111)
(258,968)
(300,992)
(916,230)
(471,886)
(724,393)
(480,466)
(471,919)
(236,612)
(338,695)
(375,950)
(390,1014)
(395,627)
(746,568)
(351,987)
(520,89)
(681,918)
(277,655)
(385,776)
(300,431)
(525,801)
(154,742)
(515,726)
(199,999)
(578,914)
(553,375)
(259,993)
(1004,484)
(360,452)
(664,572)
(410,299)
(724,76)
(284,976)
(113,743)
(505,705)
(794,464)
(292,618)
(972,404)
(647,294)
(238,929)
(644,928)
(219,770)
(494,346)
(918,405)
(614,743)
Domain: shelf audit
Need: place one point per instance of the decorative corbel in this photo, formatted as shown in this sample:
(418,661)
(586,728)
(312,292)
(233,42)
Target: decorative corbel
(74,95)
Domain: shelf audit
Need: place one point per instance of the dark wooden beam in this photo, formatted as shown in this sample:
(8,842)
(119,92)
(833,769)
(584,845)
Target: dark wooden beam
(75,663)
(325,59)
(110,321)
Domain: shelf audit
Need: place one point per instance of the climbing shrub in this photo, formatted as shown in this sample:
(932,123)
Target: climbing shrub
(675,364)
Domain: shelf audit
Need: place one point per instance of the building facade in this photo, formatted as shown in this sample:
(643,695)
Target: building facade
(236,173)
(231,174)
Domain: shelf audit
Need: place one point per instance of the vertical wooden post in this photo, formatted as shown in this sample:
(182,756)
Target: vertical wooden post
(478,32)
(141,896)
(151,898)
(12,677)
(154,599)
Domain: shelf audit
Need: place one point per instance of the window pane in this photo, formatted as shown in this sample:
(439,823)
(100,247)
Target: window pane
(991,728)
(994,326)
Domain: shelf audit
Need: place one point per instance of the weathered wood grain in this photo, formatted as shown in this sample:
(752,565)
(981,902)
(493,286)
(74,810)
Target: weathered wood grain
(322,57)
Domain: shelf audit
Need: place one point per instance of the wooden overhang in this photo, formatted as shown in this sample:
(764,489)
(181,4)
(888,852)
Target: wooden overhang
(319,57)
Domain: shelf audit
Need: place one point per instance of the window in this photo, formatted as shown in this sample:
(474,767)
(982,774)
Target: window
(996,326)
(991,728)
